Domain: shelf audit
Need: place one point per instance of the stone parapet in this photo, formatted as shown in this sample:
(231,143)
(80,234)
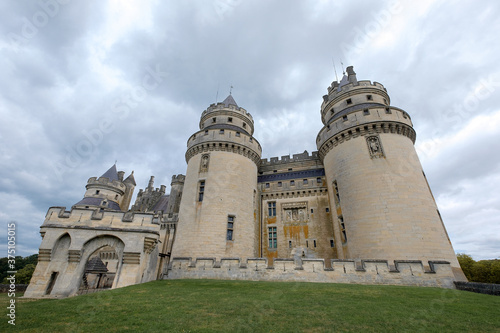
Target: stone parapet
(402,272)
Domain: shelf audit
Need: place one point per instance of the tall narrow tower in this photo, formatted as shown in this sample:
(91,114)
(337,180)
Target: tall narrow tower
(384,206)
(217,216)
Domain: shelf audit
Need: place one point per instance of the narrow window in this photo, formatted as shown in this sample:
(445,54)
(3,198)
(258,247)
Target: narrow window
(312,211)
(116,197)
(280,184)
(271,209)
(366,112)
(332,244)
(244,125)
(344,118)
(230,120)
(221,131)
(214,120)
(273,240)
(314,241)
(307,243)
(369,97)
(327,210)
(201,190)
(52,282)
(230,226)
(292,182)
(332,111)
(289,244)
(385,101)
(342,228)
(336,191)
(238,134)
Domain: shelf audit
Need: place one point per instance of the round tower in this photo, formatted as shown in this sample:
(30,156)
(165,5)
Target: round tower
(217,214)
(384,206)
(109,191)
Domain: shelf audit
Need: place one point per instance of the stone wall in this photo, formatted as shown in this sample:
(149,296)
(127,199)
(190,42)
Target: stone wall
(403,272)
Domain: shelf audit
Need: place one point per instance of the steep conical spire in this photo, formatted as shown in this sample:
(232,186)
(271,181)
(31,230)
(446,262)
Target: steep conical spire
(112,174)
(229,101)
(130,179)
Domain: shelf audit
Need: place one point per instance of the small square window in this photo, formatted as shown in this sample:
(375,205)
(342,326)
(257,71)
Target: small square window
(318,180)
(97,192)
(230,120)
(366,112)
(244,125)
(305,181)
(221,131)
(332,111)
(369,97)
(348,101)
(267,185)
(214,120)
(344,118)
(238,134)
(292,182)
(251,140)
(327,210)
(388,110)
(206,132)
(280,184)
(275,171)
(290,169)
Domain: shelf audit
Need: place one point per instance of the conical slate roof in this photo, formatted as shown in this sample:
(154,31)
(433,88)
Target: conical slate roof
(112,174)
(95,265)
(229,101)
(130,179)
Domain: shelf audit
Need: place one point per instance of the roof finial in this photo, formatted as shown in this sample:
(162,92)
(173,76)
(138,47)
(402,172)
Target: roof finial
(343,70)
(116,161)
(217,94)
(230,90)
(336,77)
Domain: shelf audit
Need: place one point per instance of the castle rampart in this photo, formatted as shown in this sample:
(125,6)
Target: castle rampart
(398,272)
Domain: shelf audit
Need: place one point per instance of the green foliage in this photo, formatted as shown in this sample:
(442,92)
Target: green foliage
(486,271)
(249,306)
(21,263)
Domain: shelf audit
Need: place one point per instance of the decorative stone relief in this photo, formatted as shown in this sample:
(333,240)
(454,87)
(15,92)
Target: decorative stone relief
(205,159)
(374,146)
(294,212)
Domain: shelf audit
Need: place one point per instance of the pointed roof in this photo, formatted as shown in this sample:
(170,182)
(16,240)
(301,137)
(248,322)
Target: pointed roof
(95,265)
(230,101)
(130,179)
(112,174)
(343,82)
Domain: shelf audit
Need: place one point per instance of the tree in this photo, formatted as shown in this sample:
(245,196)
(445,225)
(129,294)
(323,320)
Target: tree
(467,264)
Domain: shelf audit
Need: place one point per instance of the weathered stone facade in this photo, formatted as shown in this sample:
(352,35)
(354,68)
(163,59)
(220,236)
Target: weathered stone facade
(359,210)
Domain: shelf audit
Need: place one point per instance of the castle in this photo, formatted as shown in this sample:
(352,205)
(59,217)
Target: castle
(358,210)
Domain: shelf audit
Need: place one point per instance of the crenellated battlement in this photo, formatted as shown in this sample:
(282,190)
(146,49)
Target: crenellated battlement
(334,88)
(221,106)
(287,158)
(178,179)
(103,181)
(435,273)
(91,217)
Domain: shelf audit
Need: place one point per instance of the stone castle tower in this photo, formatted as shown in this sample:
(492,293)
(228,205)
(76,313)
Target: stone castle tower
(358,210)
(219,202)
(384,206)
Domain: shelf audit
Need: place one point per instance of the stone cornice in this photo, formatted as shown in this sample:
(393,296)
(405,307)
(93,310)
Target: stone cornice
(366,129)
(231,147)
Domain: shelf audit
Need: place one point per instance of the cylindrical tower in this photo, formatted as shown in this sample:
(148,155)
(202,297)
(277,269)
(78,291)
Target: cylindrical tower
(384,206)
(217,215)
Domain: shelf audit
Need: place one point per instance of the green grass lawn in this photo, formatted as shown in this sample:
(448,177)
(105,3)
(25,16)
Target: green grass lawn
(245,306)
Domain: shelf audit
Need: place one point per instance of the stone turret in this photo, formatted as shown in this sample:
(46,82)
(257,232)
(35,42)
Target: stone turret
(217,212)
(384,206)
(109,191)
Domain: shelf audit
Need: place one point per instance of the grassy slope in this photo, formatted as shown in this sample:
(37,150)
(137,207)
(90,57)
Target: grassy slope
(244,306)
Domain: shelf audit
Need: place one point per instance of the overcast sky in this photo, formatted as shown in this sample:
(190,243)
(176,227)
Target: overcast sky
(85,83)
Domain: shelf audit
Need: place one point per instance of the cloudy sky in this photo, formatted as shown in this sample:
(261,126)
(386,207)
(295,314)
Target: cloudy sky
(85,83)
